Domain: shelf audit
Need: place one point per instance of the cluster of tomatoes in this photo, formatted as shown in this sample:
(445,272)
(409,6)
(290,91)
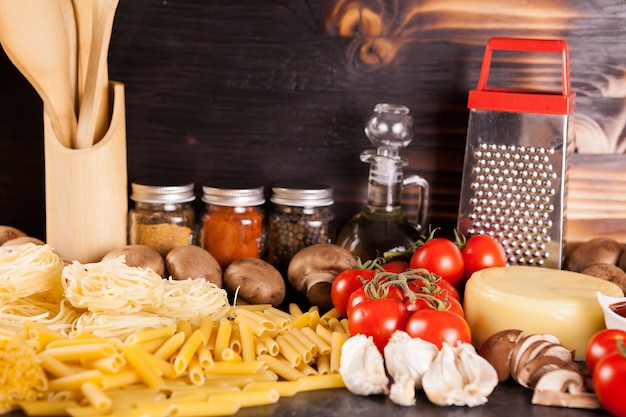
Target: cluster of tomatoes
(419,296)
(606,363)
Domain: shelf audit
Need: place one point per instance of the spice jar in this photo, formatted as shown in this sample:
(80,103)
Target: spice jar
(301,217)
(163,216)
(233,222)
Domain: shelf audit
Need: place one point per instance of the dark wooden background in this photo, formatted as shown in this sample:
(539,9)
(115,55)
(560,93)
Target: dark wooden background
(271,90)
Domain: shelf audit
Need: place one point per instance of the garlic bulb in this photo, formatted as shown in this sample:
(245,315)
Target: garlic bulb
(407,360)
(362,366)
(459,376)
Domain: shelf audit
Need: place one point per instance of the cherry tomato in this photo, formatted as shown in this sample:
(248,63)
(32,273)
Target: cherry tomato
(451,290)
(378,318)
(439,256)
(344,284)
(480,252)
(601,344)
(396,266)
(438,327)
(609,381)
(361,294)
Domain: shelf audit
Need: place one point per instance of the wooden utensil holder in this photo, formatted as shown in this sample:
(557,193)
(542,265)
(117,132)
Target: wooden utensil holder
(87,190)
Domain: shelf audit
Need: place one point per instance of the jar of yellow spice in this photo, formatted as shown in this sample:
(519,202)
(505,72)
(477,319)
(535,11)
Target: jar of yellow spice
(163,216)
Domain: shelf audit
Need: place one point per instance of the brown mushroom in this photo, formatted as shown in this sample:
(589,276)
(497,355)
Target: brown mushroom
(564,387)
(523,344)
(313,269)
(9,232)
(21,240)
(600,250)
(607,272)
(497,350)
(255,281)
(191,261)
(139,256)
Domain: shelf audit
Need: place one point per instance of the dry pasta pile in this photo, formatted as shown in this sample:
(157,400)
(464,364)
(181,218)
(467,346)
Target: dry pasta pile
(252,357)
(112,340)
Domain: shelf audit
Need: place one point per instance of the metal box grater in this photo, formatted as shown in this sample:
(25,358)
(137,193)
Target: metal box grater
(515,170)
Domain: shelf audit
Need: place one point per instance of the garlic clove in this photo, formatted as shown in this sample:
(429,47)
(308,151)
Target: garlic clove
(362,367)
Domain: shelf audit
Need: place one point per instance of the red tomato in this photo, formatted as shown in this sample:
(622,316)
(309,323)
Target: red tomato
(439,256)
(451,290)
(609,382)
(480,252)
(361,294)
(601,344)
(344,284)
(438,327)
(395,266)
(378,318)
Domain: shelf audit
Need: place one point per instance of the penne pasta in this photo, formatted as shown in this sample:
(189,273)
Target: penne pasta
(323,364)
(288,351)
(78,352)
(235,368)
(187,352)
(185,327)
(302,350)
(206,328)
(295,310)
(249,398)
(40,333)
(202,408)
(272,346)
(96,396)
(137,359)
(323,348)
(120,379)
(281,367)
(196,374)
(222,340)
(46,408)
(335,352)
(55,366)
(235,340)
(331,314)
(260,325)
(170,346)
(301,321)
(325,333)
(319,382)
(248,340)
(229,355)
(109,365)
(151,334)
(284,388)
(205,357)
(75,380)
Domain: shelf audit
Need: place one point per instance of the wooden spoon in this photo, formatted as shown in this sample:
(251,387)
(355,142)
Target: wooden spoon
(93,117)
(83,10)
(34,38)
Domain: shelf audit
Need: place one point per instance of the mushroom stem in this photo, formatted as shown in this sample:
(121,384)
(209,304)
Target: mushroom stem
(564,388)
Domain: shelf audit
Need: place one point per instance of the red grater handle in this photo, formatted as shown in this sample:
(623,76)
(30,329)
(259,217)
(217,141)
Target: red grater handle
(519,100)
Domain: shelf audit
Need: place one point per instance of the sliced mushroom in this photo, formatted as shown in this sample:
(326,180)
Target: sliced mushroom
(529,374)
(497,350)
(564,388)
(525,343)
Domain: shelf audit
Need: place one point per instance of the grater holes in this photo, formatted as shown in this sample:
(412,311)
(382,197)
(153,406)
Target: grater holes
(513,191)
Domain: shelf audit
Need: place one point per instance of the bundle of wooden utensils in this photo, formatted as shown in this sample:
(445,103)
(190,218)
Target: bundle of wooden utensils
(61,48)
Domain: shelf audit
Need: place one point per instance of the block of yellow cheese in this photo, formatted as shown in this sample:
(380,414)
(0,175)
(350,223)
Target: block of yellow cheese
(536,300)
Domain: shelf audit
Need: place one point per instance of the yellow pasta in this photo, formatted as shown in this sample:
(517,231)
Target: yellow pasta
(96,397)
(205,357)
(323,364)
(335,325)
(151,334)
(301,321)
(196,374)
(229,355)
(55,366)
(271,345)
(40,333)
(306,369)
(187,351)
(248,340)
(259,324)
(303,351)
(222,340)
(303,339)
(110,364)
(314,318)
(163,367)
(185,327)
(75,380)
(120,379)
(331,314)
(325,333)
(170,346)
(284,388)
(151,346)
(335,352)
(281,367)
(206,328)
(46,408)
(323,348)
(288,351)
(138,361)
(318,382)
(295,310)
(280,320)
(249,398)
(235,368)
(202,408)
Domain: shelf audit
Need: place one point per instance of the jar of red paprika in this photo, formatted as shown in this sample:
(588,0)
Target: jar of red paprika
(233,222)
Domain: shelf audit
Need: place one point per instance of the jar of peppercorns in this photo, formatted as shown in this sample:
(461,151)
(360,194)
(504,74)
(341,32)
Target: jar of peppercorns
(233,222)
(163,216)
(301,216)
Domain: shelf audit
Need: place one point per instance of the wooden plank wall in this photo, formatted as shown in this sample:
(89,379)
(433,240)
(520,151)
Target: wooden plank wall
(273,90)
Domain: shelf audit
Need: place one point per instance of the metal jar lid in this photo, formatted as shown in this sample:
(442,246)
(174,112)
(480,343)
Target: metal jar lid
(162,191)
(233,195)
(311,195)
